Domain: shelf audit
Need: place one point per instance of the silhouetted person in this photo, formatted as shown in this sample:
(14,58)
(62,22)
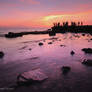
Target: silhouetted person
(63,23)
(78,23)
(81,23)
(58,24)
(67,23)
(73,24)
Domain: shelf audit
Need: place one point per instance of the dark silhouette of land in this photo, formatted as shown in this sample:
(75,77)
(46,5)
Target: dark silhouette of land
(57,28)
(73,28)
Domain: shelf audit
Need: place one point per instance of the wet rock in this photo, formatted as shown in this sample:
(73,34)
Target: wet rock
(49,42)
(1,54)
(30,49)
(83,34)
(87,62)
(32,76)
(51,33)
(65,69)
(72,52)
(77,36)
(62,45)
(87,50)
(59,40)
(40,44)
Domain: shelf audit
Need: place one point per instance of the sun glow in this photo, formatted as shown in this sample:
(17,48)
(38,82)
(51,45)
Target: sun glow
(83,16)
(47,18)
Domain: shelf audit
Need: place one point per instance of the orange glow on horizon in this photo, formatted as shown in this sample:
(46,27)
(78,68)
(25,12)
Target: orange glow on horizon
(84,17)
(46,21)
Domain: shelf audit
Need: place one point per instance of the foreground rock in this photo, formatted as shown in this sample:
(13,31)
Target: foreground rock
(1,54)
(32,76)
(65,69)
(83,34)
(30,49)
(87,50)
(62,45)
(72,53)
(49,42)
(87,62)
(40,44)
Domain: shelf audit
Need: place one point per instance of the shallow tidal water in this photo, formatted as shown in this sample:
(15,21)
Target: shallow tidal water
(24,54)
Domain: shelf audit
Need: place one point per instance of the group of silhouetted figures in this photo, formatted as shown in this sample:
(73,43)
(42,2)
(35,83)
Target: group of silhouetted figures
(67,24)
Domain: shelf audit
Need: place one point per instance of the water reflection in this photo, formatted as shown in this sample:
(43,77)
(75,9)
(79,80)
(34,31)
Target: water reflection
(61,43)
(24,54)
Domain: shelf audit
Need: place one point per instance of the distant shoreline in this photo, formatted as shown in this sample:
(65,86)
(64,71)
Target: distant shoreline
(54,30)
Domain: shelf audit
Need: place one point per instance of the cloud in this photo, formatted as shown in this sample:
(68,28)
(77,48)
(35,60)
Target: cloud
(18,3)
(43,12)
(30,1)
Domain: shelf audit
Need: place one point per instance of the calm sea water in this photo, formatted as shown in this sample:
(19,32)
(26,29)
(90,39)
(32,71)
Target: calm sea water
(6,30)
(24,54)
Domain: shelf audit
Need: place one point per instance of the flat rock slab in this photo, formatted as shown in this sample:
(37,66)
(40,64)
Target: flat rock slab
(35,75)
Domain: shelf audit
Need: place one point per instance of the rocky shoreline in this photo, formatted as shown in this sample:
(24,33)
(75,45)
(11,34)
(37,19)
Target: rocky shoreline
(54,30)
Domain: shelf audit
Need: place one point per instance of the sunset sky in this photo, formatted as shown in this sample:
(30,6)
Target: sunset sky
(42,13)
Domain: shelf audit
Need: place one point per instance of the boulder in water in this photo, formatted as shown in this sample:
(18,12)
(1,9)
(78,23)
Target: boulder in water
(72,52)
(87,50)
(40,44)
(49,42)
(1,54)
(65,69)
(87,62)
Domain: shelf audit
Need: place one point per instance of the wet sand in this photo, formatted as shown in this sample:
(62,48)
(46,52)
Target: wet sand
(24,54)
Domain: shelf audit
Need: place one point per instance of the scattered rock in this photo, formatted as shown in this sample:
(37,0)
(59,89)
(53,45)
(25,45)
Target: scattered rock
(40,44)
(59,40)
(87,62)
(62,45)
(30,49)
(83,34)
(87,50)
(77,36)
(1,54)
(72,52)
(65,69)
(49,42)
(32,76)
